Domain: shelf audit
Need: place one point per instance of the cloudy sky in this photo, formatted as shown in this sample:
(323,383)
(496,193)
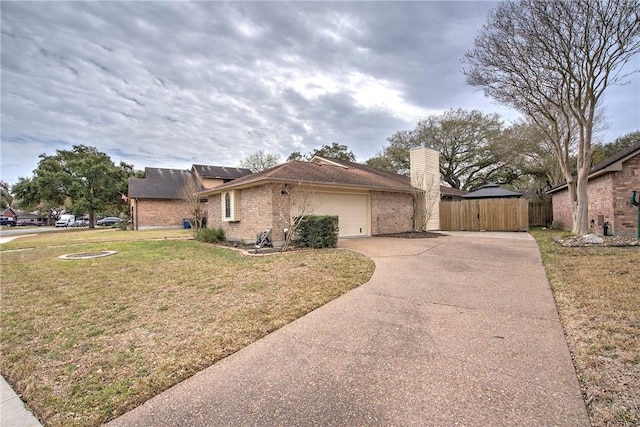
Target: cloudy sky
(169,84)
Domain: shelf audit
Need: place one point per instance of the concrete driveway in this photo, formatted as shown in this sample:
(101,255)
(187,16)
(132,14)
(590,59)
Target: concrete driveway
(456,330)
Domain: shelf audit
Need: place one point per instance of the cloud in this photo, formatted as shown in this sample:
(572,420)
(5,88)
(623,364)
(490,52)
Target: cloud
(169,84)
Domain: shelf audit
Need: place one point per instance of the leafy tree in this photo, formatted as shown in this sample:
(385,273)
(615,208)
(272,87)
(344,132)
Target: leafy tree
(6,199)
(83,176)
(470,145)
(260,161)
(333,151)
(553,61)
(533,156)
(604,151)
(395,156)
(296,155)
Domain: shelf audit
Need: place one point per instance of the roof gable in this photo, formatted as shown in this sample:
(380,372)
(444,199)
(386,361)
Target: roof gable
(620,156)
(159,183)
(610,164)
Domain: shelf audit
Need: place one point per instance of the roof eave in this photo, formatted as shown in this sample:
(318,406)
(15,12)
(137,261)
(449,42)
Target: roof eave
(241,186)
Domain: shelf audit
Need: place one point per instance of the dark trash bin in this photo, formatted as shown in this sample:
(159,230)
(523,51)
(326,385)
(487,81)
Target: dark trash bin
(186,223)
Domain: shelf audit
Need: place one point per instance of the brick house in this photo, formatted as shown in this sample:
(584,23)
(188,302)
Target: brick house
(610,185)
(155,200)
(367,201)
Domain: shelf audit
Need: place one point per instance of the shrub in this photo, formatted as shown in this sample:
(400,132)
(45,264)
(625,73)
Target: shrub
(317,232)
(211,235)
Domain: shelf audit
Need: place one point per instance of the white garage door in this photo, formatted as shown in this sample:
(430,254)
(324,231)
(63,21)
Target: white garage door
(351,210)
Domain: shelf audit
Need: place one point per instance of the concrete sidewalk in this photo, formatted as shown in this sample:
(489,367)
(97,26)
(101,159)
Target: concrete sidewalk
(456,330)
(12,410)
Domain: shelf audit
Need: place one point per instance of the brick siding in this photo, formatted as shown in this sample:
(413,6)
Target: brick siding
(265,206)
(158,213)
(391,212)
(259,210)
(627,180)
(608,196)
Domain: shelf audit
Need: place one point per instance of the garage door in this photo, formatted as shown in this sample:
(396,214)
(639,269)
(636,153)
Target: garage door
(351,209)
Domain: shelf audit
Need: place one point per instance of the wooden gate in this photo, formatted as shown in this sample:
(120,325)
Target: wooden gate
(507,214)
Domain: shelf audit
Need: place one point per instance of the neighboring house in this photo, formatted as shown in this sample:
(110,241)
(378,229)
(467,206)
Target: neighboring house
(609,189)
(367,201)
(156,200)
(492,191)
(451,194)
(26,218)
(10,213)
(213,176)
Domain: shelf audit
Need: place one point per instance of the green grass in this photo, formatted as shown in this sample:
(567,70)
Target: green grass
(83,341)
(597,292)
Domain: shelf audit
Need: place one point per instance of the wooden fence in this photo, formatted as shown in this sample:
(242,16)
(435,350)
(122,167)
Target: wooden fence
(507,214)
(540,214)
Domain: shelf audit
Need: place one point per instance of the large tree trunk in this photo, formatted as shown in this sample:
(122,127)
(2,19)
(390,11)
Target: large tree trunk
(581,214)
(581,211)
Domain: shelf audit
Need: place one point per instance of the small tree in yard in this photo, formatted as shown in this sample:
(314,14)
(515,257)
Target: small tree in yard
(296,203)
(425,196)
(193,203)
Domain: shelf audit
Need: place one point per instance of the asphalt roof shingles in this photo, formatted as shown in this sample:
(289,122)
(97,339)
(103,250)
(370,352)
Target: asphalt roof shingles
(342,173)
(159,183)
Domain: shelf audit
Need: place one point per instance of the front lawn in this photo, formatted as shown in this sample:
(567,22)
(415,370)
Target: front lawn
(84,341)
(597,292)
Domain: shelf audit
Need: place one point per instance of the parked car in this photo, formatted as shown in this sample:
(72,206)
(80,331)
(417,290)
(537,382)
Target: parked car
(66,220)
(81,223)
(108,221)
(9,222)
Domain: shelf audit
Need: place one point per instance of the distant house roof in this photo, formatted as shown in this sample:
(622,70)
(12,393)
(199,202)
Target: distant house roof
(324,172)
(491,191)
(159,183)
(448,191)
(610,164)
(9,212)
(220,172)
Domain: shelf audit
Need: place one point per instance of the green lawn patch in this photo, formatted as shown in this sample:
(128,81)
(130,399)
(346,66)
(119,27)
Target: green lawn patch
(84,341)
(597,292)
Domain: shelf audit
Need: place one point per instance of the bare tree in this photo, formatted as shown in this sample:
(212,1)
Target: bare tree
(189,197)
(553,60)
(297,202)
(260,160)
(426,194)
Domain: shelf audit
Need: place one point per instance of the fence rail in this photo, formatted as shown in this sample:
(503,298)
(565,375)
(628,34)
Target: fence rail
(485,214)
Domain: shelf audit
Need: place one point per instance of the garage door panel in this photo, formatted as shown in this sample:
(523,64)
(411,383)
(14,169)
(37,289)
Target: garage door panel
(351,210)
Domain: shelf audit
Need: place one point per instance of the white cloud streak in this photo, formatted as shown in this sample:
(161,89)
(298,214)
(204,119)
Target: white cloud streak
(169,84)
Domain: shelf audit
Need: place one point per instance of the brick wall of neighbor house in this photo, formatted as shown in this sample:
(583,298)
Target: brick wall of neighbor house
(624,182)
(562,217)
(608,196)
(600,191)
(159,213)
(391,212)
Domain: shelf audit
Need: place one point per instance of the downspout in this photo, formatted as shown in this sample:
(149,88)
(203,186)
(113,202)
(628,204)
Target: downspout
(136,210)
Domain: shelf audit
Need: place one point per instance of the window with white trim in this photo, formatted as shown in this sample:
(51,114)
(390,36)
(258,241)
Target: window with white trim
(230,206)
